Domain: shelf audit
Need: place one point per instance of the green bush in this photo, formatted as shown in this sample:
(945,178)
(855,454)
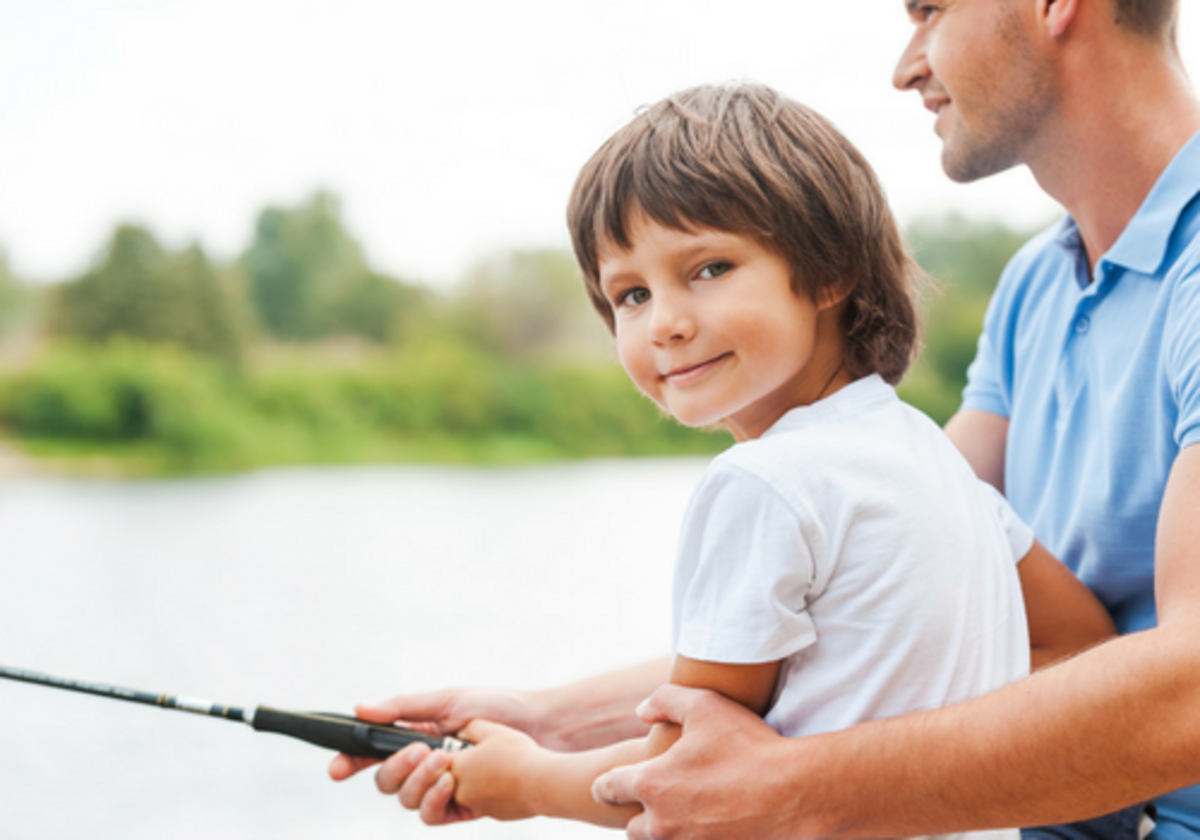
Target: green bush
(443,401)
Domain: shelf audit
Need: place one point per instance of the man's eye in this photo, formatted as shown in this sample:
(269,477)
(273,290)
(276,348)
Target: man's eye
(714,270)
(633,297)
(925,11)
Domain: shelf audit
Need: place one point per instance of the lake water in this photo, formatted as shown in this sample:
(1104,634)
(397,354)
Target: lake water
(309,590)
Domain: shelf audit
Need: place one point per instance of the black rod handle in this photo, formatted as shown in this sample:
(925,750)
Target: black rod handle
(349,735)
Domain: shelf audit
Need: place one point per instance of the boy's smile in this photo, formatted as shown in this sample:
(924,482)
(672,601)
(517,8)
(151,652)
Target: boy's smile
(709,327)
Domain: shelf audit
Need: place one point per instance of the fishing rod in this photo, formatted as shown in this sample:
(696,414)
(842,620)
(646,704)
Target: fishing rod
(349,735)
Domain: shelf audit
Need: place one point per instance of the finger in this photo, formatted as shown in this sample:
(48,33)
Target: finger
(430,705)
(344,766)
(638,828)
(436,804)
(423,777)
(616,787)
(478,730)
(393,772)
(669,704)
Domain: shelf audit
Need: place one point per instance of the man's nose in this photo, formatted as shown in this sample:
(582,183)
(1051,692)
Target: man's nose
(913,67)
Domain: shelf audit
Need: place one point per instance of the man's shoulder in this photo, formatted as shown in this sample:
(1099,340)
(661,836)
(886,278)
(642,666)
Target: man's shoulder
(1183,255)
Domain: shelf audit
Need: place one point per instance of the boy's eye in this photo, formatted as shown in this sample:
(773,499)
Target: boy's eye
(633,297)
(713,270)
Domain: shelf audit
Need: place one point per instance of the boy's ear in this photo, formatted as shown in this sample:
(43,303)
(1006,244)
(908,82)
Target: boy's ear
(831,296)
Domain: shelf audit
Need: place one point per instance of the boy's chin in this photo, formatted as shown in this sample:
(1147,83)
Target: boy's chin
(702,423)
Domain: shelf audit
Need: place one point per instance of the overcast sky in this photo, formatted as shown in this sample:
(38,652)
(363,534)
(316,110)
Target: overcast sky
(450,129)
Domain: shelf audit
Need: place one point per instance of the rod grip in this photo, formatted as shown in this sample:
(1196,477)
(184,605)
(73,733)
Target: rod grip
(348,735)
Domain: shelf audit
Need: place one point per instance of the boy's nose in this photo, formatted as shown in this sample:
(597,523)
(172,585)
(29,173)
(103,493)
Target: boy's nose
(913,67)
(670,320)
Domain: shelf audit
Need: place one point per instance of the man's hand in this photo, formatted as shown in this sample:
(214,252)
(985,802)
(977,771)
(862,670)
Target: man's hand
(722,779)
(419,775)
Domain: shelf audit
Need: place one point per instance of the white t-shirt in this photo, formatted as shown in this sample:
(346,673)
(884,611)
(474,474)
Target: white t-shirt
(854,543)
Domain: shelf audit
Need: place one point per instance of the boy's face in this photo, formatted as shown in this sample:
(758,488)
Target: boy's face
(708,326)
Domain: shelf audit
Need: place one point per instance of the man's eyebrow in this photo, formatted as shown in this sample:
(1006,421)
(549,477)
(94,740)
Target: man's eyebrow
(911,6)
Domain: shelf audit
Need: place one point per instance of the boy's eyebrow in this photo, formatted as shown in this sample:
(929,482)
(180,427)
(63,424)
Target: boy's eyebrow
(691,251)
(606,281)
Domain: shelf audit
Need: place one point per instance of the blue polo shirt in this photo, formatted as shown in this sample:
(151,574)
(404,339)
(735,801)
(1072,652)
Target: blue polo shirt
(1100,381)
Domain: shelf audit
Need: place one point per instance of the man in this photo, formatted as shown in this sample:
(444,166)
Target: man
(1082,405)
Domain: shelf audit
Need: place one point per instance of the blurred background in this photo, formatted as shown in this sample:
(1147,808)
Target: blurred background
(301,401)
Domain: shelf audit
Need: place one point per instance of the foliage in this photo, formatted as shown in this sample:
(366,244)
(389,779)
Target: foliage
(126,393)
(443,401)
(142,292)
(14,298)
(153,362)
(527,305)
(308,278)
(965,259)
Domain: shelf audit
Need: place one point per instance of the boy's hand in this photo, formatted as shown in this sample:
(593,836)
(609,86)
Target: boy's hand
(441,713)
(486,780)
(494,777)
(423,781)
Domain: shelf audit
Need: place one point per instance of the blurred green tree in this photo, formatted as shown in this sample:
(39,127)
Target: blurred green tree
(528,304)
(308,278)
(966,258)
(15,298)
(140,291)
(376,307)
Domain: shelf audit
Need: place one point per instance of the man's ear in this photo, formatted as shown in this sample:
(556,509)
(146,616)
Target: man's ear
(1057,15)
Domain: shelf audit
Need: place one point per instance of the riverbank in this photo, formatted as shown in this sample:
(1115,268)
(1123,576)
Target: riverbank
(15,464)
(141,411)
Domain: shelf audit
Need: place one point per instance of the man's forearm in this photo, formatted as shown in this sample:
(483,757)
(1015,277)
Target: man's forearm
(1111,727)
(600,710)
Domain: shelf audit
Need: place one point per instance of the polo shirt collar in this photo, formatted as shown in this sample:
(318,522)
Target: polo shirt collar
(1142,246)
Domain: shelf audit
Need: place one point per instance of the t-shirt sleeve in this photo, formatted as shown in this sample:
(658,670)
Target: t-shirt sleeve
(983,391)
(1020,536)
(1183,357)
(989,376)
(745,572)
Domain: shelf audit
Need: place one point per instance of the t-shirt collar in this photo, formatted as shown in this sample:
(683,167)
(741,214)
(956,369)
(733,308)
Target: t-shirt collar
(1142,246)
(853,397)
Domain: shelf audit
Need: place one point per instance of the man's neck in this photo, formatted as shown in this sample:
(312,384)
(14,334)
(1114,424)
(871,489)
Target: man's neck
(1125,117)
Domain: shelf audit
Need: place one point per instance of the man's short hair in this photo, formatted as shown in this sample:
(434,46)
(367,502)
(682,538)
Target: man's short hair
(1147,17)
(746,160)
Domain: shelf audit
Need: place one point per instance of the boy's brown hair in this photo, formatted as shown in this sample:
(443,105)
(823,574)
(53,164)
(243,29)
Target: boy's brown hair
(746,160)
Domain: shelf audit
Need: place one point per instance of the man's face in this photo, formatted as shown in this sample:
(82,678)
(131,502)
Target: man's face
(973,64)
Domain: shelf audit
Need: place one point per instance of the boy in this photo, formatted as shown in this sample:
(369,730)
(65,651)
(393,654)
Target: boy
(841,563)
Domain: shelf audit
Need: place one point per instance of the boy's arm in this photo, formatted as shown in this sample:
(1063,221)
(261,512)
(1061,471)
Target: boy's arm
(506,776)
(1064,616)
(582,715)
(1118,724)
(590,713)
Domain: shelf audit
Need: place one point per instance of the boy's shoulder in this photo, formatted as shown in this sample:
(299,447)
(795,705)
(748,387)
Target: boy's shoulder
(819,442)
(866,412)
(863,439)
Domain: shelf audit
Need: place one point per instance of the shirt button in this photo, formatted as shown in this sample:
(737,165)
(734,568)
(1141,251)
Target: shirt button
(1081,324)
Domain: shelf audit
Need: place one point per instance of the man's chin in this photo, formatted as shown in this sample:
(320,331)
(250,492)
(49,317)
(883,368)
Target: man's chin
(966,165)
